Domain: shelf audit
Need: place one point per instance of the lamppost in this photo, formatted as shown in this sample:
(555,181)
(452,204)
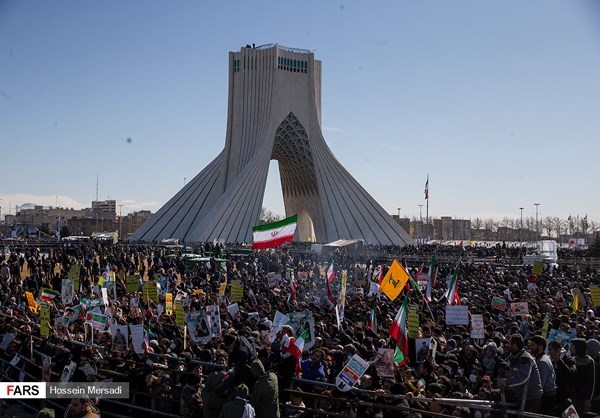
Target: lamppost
(537,224)
(521,228)
(120,221)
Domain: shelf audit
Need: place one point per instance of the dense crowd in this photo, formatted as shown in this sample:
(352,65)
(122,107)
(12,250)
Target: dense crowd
(546,357)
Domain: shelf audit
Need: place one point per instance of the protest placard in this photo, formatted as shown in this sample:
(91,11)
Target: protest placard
(237,291)
(477,328)
(519,309)
(595,292)
(457,315)
(413,322)
(499,303)
(351,373)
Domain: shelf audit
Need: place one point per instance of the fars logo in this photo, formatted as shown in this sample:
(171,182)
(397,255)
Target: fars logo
(20,390)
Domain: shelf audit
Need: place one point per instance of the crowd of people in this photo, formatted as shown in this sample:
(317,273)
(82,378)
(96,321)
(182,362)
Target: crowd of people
(546,357)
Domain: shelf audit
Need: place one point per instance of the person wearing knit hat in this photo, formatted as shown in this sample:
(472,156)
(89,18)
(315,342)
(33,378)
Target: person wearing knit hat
(583,377)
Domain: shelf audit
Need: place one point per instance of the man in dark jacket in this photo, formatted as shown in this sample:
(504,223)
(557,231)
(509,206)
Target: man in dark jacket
(265,397)
(241,354)
(523,372)
(583,376)
(537,347)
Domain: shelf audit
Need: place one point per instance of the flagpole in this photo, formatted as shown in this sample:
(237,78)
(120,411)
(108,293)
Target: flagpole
(427,209)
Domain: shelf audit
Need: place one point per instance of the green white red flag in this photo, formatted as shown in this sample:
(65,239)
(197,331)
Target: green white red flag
(399,330)
(274,234)
(48,294)
(452,292)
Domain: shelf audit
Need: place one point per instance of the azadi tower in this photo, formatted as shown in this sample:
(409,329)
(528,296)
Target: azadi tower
(274,112)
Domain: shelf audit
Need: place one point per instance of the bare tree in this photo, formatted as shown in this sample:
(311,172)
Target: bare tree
(559,226)
(266,216)
(477,223)
(548,225)
(490,224)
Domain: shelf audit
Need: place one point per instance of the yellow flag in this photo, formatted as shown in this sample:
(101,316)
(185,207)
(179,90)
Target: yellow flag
(575,304)
(33,305)
(394,281)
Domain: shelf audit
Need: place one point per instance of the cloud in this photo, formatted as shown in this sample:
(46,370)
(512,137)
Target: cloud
(332,129)
(49,200)
(129,205)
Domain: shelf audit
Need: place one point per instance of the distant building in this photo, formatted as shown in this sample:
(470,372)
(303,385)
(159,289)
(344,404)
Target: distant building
(105,209)
(447,228)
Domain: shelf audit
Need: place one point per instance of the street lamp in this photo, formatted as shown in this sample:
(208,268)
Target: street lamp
(521,228)
(537,224)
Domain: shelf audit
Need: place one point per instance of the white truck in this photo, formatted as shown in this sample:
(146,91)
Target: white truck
(545,252)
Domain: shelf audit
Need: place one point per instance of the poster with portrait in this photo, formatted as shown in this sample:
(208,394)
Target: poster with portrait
(214,319)
(111,288)
(88,334)
(422,348)
(67,372)
(163,285)
(67,291)
(299,321)
(120,338)
(199,329)
(519,309)
(61,326)
(46,368)
(385,364)
(138,338)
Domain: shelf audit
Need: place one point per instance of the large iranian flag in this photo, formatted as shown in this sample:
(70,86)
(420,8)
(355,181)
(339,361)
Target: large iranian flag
(274,234)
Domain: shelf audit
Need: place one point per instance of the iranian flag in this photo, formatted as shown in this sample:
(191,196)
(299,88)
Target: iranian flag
(399,331)
(452,292)
(431,275)
(48,294)
(293,285)
(295,347)
(274,234)
(380,275)
(329,276)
